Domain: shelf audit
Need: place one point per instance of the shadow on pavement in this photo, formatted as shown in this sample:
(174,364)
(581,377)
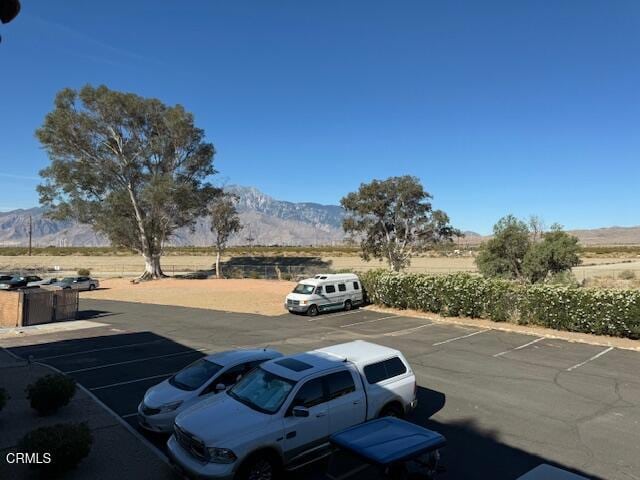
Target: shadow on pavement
(472,452)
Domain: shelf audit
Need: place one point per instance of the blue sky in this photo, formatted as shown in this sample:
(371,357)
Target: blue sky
(499,106)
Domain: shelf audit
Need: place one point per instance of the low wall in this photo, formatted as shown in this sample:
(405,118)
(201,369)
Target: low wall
(10,309)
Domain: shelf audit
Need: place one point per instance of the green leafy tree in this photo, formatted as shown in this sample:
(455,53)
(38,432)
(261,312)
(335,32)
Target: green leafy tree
(224,223)
(514,253)
(558,252)
(393,219)
(503,254)
(133,168)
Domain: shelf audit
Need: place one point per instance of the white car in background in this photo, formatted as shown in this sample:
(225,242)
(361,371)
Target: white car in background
(199,380)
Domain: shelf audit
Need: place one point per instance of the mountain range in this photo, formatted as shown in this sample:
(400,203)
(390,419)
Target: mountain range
(266,221)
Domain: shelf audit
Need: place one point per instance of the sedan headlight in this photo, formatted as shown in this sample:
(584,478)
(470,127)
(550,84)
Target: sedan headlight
(170,407)
(221,455)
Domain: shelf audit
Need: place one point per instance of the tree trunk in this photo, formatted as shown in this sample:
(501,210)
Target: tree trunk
(218,264)
(152,268)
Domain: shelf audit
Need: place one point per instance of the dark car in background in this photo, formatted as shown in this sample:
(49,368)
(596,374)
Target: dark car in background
(12,282)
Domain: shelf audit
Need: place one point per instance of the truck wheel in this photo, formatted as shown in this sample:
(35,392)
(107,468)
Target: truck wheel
(347,305)
(258,467)
(312,311)
(391,411)
(91,287)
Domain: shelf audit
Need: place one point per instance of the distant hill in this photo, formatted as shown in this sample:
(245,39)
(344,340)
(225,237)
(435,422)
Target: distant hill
(266,221)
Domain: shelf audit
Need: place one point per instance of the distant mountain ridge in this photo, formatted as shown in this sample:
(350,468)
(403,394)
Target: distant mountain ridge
(266,221)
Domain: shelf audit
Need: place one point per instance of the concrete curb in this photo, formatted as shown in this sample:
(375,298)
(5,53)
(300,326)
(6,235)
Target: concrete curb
(621,343)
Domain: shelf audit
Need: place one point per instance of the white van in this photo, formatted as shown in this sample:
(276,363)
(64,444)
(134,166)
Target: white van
(325,292)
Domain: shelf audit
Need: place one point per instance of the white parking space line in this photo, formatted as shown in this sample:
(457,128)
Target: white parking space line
(131,381)
(369,321)
(102,349)
(408,330)
(134,361)
(597,355)
(460,338)
(128,415)
(519,348)
(331,315)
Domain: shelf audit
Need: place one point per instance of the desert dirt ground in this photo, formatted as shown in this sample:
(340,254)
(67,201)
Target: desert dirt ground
(265,297)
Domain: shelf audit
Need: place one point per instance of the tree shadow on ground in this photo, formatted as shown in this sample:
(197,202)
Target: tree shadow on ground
(273,267)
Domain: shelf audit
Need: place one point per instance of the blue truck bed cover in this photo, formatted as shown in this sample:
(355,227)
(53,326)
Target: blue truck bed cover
(388,440)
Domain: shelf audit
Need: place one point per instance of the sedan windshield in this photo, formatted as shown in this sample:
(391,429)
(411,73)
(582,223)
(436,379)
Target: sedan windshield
(194,375)
(262,391)
(303,289)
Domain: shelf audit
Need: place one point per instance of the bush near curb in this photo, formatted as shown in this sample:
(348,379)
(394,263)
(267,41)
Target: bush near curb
(84,272)
(586,310)
(51,392)
(66,443)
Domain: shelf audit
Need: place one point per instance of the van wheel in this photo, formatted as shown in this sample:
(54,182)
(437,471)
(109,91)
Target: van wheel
(391,411)
(312,311)
(347,305)
(258,467)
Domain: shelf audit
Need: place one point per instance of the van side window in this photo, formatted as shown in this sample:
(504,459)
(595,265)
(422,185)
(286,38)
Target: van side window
(342,287)
(318,290)
(330,288)
(377,372)
(356,286)
(339,384)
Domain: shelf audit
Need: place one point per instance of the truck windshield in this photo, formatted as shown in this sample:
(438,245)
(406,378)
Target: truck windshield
(262,391)
(304,289)
(194,375)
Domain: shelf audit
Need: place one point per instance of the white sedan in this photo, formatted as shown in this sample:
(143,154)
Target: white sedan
(204,377)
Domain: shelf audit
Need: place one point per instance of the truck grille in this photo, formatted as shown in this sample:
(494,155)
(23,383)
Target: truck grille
(190,443)
(293,302)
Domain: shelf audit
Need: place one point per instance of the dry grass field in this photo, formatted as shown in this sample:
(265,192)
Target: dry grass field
(595,269)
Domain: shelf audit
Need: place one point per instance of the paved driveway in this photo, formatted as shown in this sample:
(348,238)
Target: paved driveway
(506,402)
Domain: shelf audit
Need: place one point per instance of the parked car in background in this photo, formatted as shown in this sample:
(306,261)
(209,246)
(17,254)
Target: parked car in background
(325,292)
(35,281)
(12,282)
(204,377)
(78,283)
(282,413)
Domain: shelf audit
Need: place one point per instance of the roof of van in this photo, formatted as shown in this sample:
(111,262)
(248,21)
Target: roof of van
(359,352)
(330,277)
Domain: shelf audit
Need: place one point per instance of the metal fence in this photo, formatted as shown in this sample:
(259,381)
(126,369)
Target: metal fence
(45,306)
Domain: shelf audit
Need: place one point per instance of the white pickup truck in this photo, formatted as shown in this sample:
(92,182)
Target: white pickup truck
(281,414)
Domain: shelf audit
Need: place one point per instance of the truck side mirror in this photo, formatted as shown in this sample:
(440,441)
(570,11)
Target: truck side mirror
(220,387)
(300,412)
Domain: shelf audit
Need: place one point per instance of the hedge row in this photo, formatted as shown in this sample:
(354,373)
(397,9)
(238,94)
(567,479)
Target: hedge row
(587,310)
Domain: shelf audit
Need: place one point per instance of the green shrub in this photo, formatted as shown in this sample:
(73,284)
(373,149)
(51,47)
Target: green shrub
(51,392)
(84,272)
(66,443)
(627,275)
(562,307)
(3,398)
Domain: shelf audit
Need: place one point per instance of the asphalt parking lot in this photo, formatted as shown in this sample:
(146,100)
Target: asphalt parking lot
(506,402)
